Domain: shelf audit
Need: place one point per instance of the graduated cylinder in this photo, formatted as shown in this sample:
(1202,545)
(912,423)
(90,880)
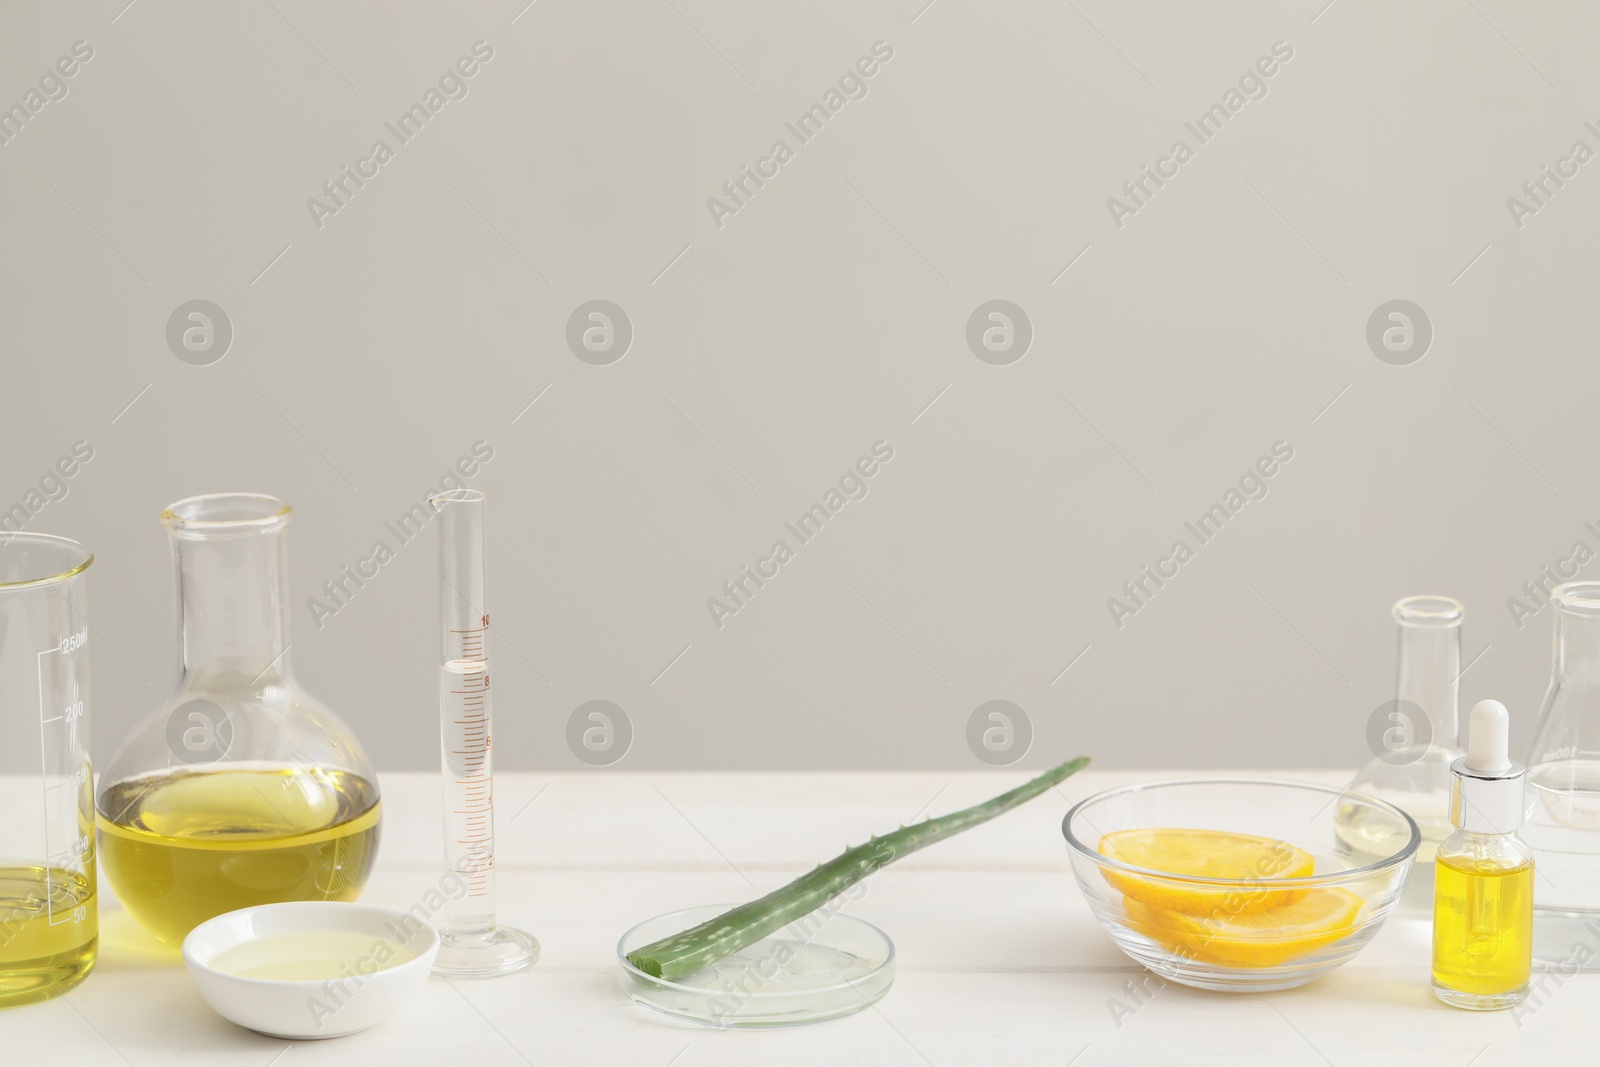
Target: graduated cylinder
(472,944)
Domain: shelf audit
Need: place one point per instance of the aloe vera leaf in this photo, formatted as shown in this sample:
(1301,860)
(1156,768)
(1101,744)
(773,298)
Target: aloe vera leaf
(700,946)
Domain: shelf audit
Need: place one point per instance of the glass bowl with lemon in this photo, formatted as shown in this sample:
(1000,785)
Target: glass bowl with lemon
(1239,885)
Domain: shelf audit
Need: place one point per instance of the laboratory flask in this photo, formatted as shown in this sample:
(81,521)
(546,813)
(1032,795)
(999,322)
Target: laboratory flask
(1414,741)
(240,788)
(1563,824)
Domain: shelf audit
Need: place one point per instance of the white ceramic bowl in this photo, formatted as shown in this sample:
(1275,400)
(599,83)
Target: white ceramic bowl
(310,969)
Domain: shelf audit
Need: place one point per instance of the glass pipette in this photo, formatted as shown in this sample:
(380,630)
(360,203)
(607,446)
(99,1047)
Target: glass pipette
(472,945)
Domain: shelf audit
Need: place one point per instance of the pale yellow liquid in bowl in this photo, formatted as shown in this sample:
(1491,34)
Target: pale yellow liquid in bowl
(312,957)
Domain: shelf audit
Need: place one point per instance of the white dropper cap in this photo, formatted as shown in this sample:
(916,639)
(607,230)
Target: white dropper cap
(1489,738)
(1486,783)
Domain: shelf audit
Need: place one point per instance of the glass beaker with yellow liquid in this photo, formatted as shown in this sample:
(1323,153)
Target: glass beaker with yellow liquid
(49,927)
(240,789)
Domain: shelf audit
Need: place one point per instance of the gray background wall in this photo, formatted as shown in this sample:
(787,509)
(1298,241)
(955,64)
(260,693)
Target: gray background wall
(1230,312)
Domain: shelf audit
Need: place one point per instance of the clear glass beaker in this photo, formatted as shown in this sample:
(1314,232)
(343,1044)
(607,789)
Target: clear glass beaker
(49,926)
(240,789)
(1563,824)
(1414,738)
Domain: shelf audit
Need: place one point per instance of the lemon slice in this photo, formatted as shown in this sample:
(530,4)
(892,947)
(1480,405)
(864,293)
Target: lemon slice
(1249,861)
(1261,939)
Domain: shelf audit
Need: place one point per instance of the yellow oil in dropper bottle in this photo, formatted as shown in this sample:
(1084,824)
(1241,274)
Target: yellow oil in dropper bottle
(1483,875)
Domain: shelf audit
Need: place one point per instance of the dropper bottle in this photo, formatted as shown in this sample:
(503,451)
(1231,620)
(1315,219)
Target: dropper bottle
(1483,875)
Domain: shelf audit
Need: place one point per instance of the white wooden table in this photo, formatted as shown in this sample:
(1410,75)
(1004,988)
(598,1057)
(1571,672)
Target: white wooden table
(999,961)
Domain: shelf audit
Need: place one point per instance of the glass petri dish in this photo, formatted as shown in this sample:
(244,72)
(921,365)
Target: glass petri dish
(824,966)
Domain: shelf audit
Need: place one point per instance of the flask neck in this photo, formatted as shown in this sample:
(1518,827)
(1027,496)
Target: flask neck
(233,604)
(1430,677)
(1577,650)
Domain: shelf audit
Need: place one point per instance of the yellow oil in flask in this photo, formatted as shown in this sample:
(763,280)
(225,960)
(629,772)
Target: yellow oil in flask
(181,847)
